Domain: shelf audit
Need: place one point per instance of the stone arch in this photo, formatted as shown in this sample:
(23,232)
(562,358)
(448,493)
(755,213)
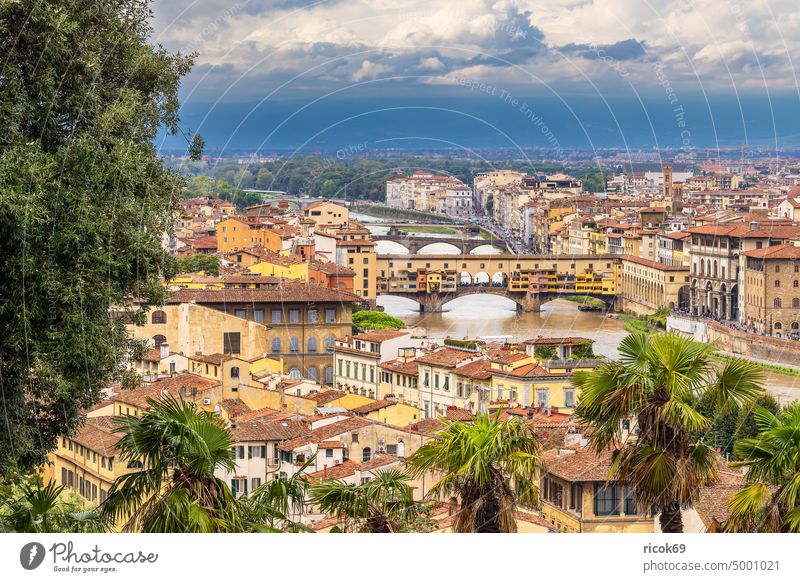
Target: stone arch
(456,250)
(500,279)
(481,278)
(464,278)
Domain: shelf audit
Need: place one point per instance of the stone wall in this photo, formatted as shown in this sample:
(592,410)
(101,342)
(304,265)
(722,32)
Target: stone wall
(776,350)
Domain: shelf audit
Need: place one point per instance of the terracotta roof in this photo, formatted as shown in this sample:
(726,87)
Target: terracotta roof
(373,406)
(153,355)
(478,369)
(455,413)
(409,368)
(427,426)
(347,468)
(784,251)
(379,461)
(325,397)
(528,371)
(267,430)
(446,357)
(381,335)
(712,502)
(330,445)
(558,341)
(653,264)
(285,292)
(216,359)
(577,464)
(324,433)
(182,383)
(96,434)
(254,414)
(511,358)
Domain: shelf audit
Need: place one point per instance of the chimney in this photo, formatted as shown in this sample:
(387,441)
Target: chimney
(164,350)
(753,225)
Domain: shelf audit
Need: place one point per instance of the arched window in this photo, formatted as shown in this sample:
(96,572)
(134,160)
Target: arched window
(312,373)
(329,374)
(235,372)
(778,325)
(312,345)
(294,345)
(276,345)
(366,454)
(796,302)
(777,282)
(777,302)
(715,269)
(159,339)
(295,374)
(159,317)
(329,343)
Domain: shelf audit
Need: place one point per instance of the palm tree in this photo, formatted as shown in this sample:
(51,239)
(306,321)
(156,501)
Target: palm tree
(274,505)
(657,382)
(177,447)
(488,465)
(770,501)
(381,505)
(32,507)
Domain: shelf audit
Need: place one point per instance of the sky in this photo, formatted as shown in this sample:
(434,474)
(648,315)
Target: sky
(333,74)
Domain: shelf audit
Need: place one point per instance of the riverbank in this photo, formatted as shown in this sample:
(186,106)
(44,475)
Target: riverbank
(585,300)
(397,213)
(785,370)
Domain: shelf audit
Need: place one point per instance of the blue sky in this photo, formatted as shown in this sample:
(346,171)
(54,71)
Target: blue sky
(596,73)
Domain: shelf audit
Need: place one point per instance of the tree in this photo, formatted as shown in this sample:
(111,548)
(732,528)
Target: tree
(209,264)
(770,501)
(595,182)
(366,320)
(32,507)
(85,203)
(657,383)
(178,447)
(384,504)
(544,353)
(275,505)
(735,423)
(488,465)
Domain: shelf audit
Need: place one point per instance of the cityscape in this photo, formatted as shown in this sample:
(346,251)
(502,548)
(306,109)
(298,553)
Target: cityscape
(361,268)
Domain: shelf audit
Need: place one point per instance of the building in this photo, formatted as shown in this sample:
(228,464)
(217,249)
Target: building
(647,286)
(356,359)
(234,234)
(326,213)
(577,495)
(772,290)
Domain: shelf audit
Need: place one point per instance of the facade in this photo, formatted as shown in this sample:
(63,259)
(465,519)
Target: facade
(234,234)
(356,359)
(772,290)
(326,213)
(647,286)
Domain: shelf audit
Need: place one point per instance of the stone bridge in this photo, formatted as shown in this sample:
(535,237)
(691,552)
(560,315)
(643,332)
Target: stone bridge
(525,300)
(415,242)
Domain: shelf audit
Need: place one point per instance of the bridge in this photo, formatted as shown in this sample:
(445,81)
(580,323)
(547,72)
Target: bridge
(528,280)
(416,242)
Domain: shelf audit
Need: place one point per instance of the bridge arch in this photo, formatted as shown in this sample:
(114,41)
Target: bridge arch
(392,247)
(487,249)
(445,247)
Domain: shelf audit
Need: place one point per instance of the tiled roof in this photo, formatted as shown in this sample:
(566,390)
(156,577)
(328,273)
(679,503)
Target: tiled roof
(373,406)
(285,292)
(379,461)
(409,368)
(325,397)
(577,464)
(347,468)
(653,264)
(267,430)
(479,369)
(446,357)
(324,433)
(216,359)
(96,434)
(784,251)
(381,335)
(175,386)
(559,341)
(712,502)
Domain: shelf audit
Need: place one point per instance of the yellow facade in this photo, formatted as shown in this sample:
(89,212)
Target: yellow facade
(398,414)
(277,268)
(234,234)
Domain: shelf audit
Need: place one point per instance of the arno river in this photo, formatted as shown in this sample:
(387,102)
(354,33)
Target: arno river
(494,317)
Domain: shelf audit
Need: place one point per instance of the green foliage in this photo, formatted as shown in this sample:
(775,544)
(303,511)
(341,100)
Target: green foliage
(658,382)
(208,264)
(196,147)
(384,504)
(770,501)
(583,352)
(367,320)
(457,343)
(544,353)
(29,506)
(488,465)
(178,447)
(85,204)
(595,182)
(727,426)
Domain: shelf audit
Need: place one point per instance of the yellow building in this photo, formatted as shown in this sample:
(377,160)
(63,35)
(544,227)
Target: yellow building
(647,286)
(576,495)
(326,213)
(398,378)
(389,411)
(275,265)
(234,234)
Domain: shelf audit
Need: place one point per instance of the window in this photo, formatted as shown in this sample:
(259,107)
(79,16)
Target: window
(231,342)
(606,499)
(235,372)
(255,483)
(295,374)
(276,345)
(427,379)
(258,315)
(312,373)
(777,282)
(159,317)
(294,316)
(330,315)
(240,313)
(294,345)
(276,316)
(240,452)
(313,315)
(630,502)
(366,454)
(329,374)
(312,345)
(777,303)
(576,497)
(795,302)
(354,437)
(329,452)
(569,397)
(330,341)
(541,397)
(159,339)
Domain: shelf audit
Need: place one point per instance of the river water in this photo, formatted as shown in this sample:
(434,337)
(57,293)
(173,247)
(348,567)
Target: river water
(485,316)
